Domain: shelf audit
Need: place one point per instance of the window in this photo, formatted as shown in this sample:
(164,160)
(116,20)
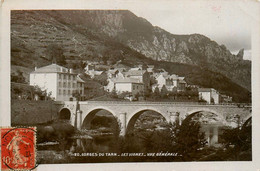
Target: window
(133,87)
(60,84)
(64,92)
(64,84)
(68,92)
(69,77)
(59,76)
(68,85)
(74,85)
(59,91)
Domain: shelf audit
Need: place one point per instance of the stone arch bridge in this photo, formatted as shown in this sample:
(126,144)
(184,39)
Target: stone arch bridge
(128,112)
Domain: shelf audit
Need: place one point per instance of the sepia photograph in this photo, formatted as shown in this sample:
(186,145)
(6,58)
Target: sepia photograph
(167,83)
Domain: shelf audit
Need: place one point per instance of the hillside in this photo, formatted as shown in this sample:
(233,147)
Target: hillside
(156,43)
(120,35)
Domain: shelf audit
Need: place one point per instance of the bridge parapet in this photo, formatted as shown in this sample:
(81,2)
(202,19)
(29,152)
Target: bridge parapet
(166,103)
(127,112)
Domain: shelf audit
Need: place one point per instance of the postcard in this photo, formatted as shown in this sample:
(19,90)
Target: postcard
(146,85)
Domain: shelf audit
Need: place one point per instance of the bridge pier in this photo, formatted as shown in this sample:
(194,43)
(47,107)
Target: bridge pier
(215,135)
(207,135)
(78,119)
(122,118)
(174,116)
(211,134)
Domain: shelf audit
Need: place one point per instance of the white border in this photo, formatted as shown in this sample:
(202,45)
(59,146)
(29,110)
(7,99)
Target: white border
(252,9)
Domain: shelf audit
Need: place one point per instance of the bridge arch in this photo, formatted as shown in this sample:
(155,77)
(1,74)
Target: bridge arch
(192,113)
(247,122)
(211,124)
(247,118)
(91,114)
(135,115)
(65,113)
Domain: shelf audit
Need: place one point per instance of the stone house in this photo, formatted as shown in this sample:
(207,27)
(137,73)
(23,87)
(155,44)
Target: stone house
(61,82)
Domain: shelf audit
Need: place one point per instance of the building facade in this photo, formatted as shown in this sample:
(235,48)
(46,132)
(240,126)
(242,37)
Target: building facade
(142,75)
(133,86)
(210,95)
(170,82)
(58,81)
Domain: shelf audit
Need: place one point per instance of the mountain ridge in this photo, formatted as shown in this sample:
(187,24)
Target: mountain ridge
(97,34)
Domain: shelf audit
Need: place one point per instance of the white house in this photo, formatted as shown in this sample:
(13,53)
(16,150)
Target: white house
(114,73)
(170,81)
(142,75)
(209,94)
(93,73)
(150,68)
(57,80)
(131,85)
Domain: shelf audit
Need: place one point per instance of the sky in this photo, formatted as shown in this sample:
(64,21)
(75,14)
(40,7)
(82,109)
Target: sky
(226,23)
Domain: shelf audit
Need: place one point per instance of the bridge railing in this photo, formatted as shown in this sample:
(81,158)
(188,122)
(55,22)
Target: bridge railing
(167,103)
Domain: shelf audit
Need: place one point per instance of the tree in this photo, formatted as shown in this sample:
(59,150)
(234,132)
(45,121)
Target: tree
(42,93)
(238,142)
(174,92)
(18,78)
(212,101)
(156,91)
(55,53)
(105,59)
(187,138)
(153,81)
(83,65)
(144,66)
(102,79)
(113,94)
(76,94)
(147,92)
(164,91)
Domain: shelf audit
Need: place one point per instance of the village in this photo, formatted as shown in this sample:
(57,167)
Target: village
(134,84)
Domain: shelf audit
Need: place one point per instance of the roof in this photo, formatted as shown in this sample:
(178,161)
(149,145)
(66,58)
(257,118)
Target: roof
(135,69)
(112,71)
(135,72)
(92,72)
(182,81)
(127,80)
(80,79)
(149,69)
(174,77)
(205,89)
(53,68)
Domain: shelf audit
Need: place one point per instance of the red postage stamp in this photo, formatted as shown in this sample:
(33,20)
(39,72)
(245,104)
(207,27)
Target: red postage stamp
(18,150)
